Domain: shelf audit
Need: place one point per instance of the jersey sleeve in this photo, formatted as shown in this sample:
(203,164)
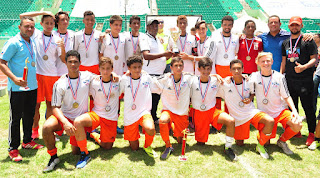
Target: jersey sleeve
(76,42)
(8,51)
(144,43)
(122,84)
(211,52)
(312,47)
(58,39)
(283,49)
(252,84)
(284,92)
(103,45)
(57,95)
(237,45)
(220,92)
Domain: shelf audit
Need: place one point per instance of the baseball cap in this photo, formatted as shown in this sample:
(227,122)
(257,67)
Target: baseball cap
(149,22)
(295,19)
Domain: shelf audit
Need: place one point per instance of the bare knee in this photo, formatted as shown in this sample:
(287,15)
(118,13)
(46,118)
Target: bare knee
(296,127)
(268,121)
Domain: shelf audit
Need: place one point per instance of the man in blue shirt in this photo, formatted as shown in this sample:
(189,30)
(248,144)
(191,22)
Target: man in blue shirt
(17,53)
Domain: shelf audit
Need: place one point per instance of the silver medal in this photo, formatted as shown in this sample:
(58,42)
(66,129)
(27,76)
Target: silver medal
(133,107)
(33,64)
(108,108)
(203,107)
(225,56)
(265,101)
(241,104)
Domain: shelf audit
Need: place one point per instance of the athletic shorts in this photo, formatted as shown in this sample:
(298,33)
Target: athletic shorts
(73,141)
(94,69)
(131,132)
(223,71)
(45,86)
(283,118)
(178,123)
(108,128)
(202,121)
(242,132)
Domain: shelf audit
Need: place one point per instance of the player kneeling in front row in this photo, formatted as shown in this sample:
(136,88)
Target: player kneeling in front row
(239,101)
(105,93)
(270,87)
(203,97)
(137,88)
(69,100)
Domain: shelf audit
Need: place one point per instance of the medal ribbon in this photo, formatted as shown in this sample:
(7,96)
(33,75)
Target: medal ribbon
(202,47)
(224,43)
(248,49)
(74,94)
(264,87)
(184,44)
(134,45)
(243,84)
(177,92)
(90,38)
(205,92)
(295,45)
(114,46)
(104,92)
(30,50)
(46,47)
(65,38)
(134,95)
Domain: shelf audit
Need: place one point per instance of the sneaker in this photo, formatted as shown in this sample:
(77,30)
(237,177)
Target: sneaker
(119,130)
(167,152)
(262,151)
(54,160)
(15,155)
(84,159)
(32,145)
(314,145)
(240,142)
(310,139)
(230,153)
(284,147)
(35,135)
(298,135)
(151,152)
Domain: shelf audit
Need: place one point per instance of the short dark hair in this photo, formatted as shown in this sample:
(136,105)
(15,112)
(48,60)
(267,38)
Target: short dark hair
(134,59)
(26,18)
(73,53)
(248,21)
(175,60)
(197,26)
(274,16)
(86,13)
(204,62)
(236,61)
(227,18)
(134,17)
(193,29)
(115,18)
(181,17)
(57,17)
(45,16)
(104,60)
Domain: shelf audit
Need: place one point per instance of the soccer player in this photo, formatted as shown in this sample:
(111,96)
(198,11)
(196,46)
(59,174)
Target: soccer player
(203,96)
(298,60)
(175,97)
(22,103)
(105,93)
(186,43)
(70,100)
(239,101)
(270,88)
(137,90)
(249,47)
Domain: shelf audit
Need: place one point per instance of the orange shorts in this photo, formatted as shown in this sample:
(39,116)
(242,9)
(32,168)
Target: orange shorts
(108,132)
(131,132)
(94,69)
(177,122)
(242,132)
(283,118)
(223,71)
(45,85)
(73,141)
(202,121)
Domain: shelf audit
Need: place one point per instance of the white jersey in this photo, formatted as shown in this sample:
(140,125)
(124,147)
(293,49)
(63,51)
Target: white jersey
(208,49)
(47,47)
(62,94)
(154,46)
(168,87)
(143,99)
(108,49)
(275,94)
(223,57)
(133,44)
(185,44)
(230,92)
(68,44)
(105,95)
(204,95)
(90,56)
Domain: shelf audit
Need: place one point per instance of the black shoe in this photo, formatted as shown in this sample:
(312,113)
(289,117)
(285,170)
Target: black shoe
(54,160)
(231,154)
(167,152)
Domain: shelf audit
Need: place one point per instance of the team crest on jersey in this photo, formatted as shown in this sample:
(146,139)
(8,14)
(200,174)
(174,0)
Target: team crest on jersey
(275,84)
(146,84)
(214,86)
(116,87)
(96,39)
(255,45)
(86,82)
(183,84)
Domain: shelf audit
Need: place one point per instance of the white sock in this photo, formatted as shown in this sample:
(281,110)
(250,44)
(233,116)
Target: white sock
(229,141)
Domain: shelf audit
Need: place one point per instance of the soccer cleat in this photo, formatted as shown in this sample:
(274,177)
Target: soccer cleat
(119,130)
(314,145)
(284,147)
(167,152)
(54,160)
(230,153)
(84,159)
(32,145)
(15,155)
(310,139)
(151,152)
(262,151)
(35,135)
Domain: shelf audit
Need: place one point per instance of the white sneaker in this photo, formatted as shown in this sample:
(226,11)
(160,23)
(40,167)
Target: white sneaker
(284,147)
(262,151)
(314,145)
(52,164)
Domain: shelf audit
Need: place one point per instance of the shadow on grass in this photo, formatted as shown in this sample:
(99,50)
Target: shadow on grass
(273,148)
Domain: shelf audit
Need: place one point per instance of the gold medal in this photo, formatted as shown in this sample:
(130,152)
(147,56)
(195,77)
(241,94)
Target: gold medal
(133,107)
(45,57)
(248,58)
(292,59)
(75,105)
(33,64)
(116,57)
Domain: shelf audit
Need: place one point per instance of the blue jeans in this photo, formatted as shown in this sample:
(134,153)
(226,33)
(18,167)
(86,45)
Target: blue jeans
(316,81)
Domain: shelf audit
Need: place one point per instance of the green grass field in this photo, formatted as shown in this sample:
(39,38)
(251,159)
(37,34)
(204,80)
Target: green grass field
(203,161)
